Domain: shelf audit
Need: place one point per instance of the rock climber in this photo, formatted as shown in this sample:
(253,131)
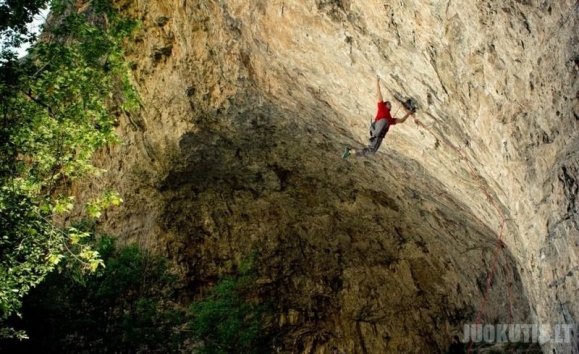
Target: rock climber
(380,127)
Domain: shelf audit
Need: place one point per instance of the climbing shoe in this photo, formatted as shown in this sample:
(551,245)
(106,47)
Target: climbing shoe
(346,153)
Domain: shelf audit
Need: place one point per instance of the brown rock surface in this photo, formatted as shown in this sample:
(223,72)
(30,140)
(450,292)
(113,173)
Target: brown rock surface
(247,105)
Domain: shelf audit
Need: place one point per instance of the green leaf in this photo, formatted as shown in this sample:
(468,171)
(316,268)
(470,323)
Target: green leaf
(57,112)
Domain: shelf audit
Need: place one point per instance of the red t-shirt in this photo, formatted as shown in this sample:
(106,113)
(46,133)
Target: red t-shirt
(384,113)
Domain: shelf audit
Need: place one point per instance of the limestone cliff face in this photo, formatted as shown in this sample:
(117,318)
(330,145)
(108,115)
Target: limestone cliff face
(246,108)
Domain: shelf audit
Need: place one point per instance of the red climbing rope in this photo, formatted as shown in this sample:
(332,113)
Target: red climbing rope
(500,215)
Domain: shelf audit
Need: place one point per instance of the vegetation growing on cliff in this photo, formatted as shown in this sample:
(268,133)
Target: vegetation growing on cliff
(55,112)
(130,306)
(125,307)
(227,321)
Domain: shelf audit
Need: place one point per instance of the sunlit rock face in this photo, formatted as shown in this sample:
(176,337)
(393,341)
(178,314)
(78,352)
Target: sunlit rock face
(247,106)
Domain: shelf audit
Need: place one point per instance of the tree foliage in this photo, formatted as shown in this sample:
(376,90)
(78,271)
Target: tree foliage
(228,320)
(130,306)
(55,112)
(14,17)
(125,307)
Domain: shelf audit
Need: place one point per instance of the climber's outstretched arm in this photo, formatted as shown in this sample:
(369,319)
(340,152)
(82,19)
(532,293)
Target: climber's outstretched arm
(378,92)
(403,119)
